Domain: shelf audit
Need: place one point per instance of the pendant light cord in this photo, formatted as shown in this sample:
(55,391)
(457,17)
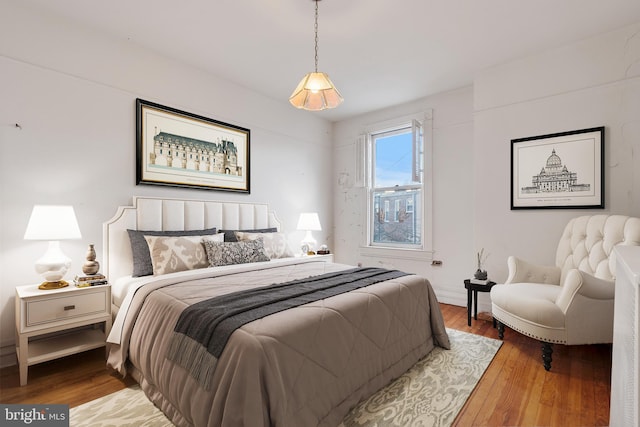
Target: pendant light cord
(316,31)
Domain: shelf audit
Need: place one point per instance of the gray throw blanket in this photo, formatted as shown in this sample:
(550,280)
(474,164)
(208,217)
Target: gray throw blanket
(204,328)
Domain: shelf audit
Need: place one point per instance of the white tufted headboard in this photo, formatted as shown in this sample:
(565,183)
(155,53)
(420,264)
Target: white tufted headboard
(150,213)
(587,243)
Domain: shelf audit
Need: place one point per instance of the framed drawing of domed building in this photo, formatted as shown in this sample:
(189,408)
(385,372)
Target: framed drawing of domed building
(562,170)
(181,149)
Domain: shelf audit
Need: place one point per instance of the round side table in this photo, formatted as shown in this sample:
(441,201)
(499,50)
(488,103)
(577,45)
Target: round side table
(472,297)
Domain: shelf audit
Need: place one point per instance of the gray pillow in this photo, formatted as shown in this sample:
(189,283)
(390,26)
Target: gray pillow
(142,265)
(230,253)
(230,235)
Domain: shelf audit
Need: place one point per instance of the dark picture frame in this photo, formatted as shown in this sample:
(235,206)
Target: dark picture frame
(558,171)
(180,149)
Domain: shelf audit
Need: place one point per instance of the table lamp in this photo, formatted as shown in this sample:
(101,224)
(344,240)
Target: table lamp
(53,223)
(309,221)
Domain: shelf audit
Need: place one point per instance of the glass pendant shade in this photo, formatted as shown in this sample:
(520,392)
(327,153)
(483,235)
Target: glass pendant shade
(315,92)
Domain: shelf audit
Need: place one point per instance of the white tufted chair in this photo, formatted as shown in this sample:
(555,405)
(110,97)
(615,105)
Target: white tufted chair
(571,303)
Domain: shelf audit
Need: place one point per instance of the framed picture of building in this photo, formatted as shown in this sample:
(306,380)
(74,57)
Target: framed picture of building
(181,149)
(562,171)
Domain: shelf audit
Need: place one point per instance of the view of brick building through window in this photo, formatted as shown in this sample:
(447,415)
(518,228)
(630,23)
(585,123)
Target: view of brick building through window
(396,193)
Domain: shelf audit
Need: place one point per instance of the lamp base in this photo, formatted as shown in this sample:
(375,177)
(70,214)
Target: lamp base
(309,243)
(53,285)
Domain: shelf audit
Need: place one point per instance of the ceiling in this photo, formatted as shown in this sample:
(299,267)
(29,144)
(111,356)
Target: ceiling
(377,52)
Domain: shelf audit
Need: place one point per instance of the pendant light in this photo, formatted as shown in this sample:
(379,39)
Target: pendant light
(315,91)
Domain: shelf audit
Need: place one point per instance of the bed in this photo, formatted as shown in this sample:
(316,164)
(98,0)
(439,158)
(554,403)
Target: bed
(304,364)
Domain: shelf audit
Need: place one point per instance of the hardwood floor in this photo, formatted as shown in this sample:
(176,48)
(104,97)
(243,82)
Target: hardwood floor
(72,380)
(514,391)
(517,391)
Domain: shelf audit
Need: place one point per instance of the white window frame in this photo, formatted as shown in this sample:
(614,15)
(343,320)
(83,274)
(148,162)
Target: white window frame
(364,168)
(396,210)
(407,204)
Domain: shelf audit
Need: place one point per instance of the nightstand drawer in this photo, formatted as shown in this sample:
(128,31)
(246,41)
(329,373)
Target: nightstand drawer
(65,307)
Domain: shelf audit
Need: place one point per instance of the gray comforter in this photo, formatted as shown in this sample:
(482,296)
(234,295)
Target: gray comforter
(305,366)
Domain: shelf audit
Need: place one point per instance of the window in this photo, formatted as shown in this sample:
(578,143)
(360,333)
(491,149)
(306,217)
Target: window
(396,186)
(394,169)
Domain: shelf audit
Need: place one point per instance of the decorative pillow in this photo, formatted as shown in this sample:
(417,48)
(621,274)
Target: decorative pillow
(140,250)
(275,244)
(227,253)
(171,254)
(230,235)
(218,237)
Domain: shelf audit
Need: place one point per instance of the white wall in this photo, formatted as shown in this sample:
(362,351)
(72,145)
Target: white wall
(452,192)
(594,82)
(73,94)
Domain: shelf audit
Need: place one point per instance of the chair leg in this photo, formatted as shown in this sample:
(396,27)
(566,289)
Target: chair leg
(500,329)
(547,349)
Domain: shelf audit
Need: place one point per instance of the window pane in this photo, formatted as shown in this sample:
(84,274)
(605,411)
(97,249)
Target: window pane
(393,158)
(396,216)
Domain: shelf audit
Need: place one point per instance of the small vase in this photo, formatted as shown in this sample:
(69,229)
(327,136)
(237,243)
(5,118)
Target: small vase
(91,266)
(480,274)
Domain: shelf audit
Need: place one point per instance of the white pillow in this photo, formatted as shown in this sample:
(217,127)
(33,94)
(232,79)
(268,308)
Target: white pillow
(171,254)
(275,244)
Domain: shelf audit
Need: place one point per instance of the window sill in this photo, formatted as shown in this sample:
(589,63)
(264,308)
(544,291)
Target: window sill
(398,253)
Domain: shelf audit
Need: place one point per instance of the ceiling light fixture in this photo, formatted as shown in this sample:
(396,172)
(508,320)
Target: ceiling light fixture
(315,91)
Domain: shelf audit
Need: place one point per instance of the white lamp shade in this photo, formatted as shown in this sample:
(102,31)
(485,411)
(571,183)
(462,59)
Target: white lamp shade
(309,221)
(51,222)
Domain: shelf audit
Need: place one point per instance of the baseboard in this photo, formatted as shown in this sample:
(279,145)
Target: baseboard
(459,297)
(8,355)
(451,296)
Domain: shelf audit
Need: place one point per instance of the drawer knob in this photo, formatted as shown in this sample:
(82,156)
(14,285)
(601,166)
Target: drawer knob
(69,307)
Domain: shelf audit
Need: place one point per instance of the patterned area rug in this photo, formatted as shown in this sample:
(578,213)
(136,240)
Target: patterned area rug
(429,394)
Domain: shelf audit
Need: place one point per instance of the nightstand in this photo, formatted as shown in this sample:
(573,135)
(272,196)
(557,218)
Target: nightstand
(316,258)
(323,257)
(68,312)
